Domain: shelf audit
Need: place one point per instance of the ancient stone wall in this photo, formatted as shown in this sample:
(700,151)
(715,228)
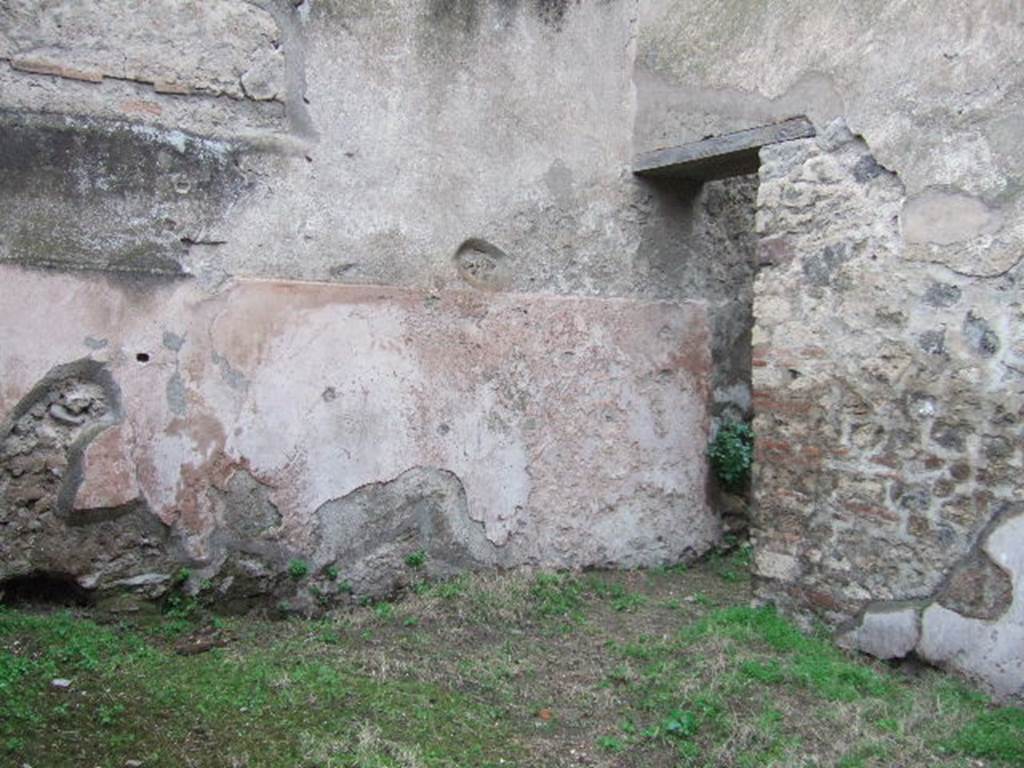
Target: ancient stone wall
(889,401)
(470,151)
(888,386)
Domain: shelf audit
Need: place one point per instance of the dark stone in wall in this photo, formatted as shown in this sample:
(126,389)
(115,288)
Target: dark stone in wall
(942,295)
(980,335)
(466,14)
(978,588)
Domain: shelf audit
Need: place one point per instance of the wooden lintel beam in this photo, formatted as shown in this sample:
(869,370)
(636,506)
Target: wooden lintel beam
(731,154)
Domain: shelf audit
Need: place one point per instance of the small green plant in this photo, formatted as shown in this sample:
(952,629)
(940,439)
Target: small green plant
(678,725)
(628,602)
(108,715)
(298,569)
(731,454)
(556,594)
(331,572)
(417,559)
(611,744)
(183,575)
(451,589)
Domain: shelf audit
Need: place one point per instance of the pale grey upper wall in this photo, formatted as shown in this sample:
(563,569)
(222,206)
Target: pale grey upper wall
(380,136)
(935,87)
(438,121)
(399,129)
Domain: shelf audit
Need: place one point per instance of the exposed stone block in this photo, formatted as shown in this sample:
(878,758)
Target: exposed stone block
(886,633)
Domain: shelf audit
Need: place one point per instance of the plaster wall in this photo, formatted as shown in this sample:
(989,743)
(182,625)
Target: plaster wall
(347,427)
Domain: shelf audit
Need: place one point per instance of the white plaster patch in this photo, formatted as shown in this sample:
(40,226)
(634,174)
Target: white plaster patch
(991,651)
(945,218)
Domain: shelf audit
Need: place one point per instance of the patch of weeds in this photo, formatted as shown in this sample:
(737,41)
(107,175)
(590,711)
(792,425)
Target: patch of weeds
(49,646)
(611,744)
(384,611)
(331,572)
(731,454)
(322,598)
(676,569)
(644,649)
(628,602)
(416,559)
(621,599)
(450,589)
(180,612)
(863,755)
(329,636)
(812,661)
(108,715)
(767,672)
(557,595)
(734,566)
(997,734)
(298,569)
(679,724)
(622,673)
(831,676)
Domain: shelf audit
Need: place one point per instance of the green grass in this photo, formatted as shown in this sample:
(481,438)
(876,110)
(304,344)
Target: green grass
(662,669)
(274,706)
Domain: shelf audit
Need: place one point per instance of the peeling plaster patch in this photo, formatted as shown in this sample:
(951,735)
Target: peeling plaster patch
(172,341)
(945,218)
(177,396)
(233,377)
(369,532)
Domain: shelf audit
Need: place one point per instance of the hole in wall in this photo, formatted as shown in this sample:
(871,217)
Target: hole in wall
(483,264)
(142,357)
(43,588)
